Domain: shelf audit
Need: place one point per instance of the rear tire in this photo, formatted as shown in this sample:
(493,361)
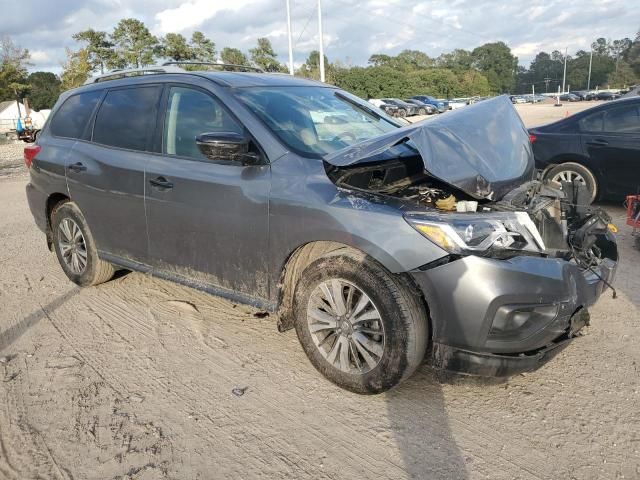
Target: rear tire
(570,170)
(422,111)
(75,247)
(402,113)
(371,356)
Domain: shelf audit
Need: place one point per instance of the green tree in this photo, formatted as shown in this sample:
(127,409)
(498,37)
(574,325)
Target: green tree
(174,46)
(204,50)
(497,63)
(381,60)
(406,60)
(457,60)
(134,44)
(633,55)
(600,47)
(44,89)
(414,59)
(14,61)
(76,69)
(264,57)
(233,56)
(98,47)
(311,68)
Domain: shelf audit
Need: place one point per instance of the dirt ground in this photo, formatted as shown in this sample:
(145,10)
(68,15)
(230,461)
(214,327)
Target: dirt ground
(134,379)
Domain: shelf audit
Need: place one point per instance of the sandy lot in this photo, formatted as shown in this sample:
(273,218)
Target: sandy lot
(133,379)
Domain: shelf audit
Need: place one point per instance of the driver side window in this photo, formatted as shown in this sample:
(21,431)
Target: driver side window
(191,112)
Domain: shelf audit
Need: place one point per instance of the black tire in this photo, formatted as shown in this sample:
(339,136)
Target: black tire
(422,111)
(95,271)
(570,168)
(403,317)
(402,113)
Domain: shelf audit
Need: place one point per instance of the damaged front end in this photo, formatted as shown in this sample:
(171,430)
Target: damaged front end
(479,162)
(524,260)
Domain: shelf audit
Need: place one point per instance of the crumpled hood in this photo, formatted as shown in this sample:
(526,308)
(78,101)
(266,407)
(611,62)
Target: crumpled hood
(482,149)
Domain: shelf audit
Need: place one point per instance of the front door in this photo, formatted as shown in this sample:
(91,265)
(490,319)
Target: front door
(207,220)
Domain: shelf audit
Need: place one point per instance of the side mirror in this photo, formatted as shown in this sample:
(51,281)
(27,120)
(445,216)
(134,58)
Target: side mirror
(227,146)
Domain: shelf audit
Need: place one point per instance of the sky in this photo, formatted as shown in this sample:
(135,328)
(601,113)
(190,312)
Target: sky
(353,29)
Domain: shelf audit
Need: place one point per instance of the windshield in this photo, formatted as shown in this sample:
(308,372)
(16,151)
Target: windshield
(315,121)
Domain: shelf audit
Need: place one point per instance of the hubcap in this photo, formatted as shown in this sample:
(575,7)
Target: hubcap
(345,326)
(72,245)
(568,176)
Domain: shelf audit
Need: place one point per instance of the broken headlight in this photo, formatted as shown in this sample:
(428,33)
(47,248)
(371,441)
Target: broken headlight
(479,233)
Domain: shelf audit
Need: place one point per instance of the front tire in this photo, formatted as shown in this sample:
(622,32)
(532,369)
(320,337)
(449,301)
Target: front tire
(570,171)
(75,247)
(362,327)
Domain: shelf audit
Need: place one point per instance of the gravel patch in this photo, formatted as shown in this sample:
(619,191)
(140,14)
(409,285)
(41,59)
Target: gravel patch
(11,160)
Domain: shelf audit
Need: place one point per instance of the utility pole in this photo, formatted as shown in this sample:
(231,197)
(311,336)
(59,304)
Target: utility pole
(321,42)
(546,84)
(564,75)
(589,77)
(290,41)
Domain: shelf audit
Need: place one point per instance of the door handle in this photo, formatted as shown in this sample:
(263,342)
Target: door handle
(77,167)
(598,142)
(161,183)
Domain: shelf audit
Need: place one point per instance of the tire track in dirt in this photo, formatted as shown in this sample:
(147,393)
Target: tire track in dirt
(474,437)
(202,394)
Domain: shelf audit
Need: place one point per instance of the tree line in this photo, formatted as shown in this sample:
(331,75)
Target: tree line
(489,69)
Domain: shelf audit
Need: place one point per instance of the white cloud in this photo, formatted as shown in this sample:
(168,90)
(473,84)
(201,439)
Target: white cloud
(354,29)
(39,56)
(524,49)
(192,14)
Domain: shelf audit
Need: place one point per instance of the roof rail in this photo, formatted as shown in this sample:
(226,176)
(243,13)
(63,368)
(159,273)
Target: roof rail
(132,72)
(223,66)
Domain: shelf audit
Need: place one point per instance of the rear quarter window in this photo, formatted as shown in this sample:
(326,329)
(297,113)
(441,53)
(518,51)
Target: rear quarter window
(71,119)
(592,123)
(127,118)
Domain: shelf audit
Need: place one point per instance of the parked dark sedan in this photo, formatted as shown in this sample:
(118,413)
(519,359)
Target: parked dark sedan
(570,97)
(402,105)
(423,108)
(598,147)
(607,96)
(439,104)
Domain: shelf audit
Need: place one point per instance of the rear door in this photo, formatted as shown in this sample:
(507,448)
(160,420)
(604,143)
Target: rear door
(106,175)
(70,122)
(207,221)
(611,139)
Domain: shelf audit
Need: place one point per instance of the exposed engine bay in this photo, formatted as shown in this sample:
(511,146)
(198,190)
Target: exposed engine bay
(568,227)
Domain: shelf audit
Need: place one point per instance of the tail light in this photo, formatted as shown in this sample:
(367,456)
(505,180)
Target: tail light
(532,138)
(30,151)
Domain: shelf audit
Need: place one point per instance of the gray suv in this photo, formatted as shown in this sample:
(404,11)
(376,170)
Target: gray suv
(380,244)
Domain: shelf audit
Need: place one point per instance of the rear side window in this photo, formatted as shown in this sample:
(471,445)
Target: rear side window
(72,117)
(622,120)
(127,118)
(592,123)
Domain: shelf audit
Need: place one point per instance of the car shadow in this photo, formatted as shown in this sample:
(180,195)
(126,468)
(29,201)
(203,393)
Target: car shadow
(9,335)
(418,419)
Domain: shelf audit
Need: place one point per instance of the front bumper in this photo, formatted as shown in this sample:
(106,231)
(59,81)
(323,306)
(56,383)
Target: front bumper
(468,297)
